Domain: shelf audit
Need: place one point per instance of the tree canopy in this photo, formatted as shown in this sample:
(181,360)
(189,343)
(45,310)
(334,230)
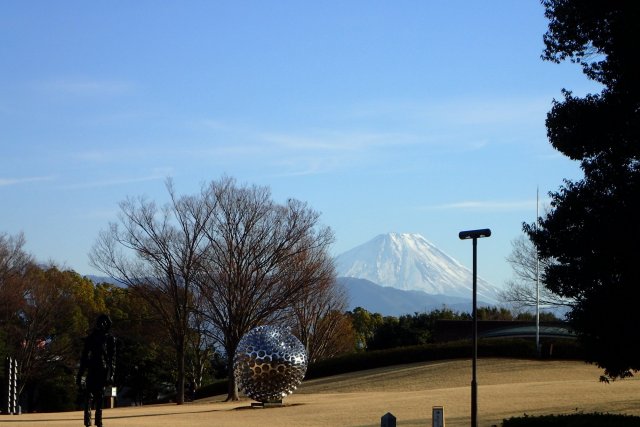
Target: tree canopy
(262,260)
(590,234)
(222,262)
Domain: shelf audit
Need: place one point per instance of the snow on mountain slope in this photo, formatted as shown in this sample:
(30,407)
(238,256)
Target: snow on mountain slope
(411,262)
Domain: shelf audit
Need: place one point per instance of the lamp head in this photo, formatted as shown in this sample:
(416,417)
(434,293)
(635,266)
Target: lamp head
(474,234)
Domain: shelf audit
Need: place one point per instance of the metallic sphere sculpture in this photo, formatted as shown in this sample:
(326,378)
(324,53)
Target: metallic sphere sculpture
(269,363)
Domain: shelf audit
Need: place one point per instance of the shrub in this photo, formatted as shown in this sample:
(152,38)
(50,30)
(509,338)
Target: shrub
(574,420)
(213,389)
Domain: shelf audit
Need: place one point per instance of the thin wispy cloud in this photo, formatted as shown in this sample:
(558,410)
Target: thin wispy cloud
(458,111)
(337,140)
(86,87)
(5,182)
(327,139)
(116,181)
(299,152)
(493,111)
(125,152)
(100,214)
(308,166)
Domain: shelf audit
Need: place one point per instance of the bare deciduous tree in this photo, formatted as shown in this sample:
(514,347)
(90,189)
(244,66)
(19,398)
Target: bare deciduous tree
(13,258)
(521,291)
(318,316)
(254,252)
(200,347)
(13,262)
(157,253)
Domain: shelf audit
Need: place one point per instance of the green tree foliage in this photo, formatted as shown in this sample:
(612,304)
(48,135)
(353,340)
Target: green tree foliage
(42,328)
(385,332)
(145,354)
(409,329)
(365,325)
(44,314)
(590,235)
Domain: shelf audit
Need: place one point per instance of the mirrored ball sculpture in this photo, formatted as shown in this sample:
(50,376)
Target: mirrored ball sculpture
(269,363)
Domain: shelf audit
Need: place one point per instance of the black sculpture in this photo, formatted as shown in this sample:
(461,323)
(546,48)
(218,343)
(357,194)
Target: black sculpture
(98,360)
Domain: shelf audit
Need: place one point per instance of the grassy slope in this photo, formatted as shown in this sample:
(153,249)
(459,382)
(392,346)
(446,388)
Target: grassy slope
(506,388)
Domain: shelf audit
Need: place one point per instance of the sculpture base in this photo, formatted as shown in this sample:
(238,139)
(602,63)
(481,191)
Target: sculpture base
(271,404)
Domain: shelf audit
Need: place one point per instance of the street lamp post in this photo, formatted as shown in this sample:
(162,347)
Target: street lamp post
(475,235)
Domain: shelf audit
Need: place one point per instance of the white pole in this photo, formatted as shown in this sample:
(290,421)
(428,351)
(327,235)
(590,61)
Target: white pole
(537,281)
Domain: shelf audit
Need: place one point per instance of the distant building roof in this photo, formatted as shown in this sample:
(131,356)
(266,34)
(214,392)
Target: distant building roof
(452,330)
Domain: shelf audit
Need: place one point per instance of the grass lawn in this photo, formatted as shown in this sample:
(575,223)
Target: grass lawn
(507,388)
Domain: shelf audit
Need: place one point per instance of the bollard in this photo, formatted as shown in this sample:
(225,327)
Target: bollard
(437,416)
(388,420)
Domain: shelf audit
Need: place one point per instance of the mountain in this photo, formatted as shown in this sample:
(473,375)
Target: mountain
(390,301)
(103,279)
(412,263)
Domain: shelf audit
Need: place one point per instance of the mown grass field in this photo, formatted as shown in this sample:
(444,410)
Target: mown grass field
(507,388)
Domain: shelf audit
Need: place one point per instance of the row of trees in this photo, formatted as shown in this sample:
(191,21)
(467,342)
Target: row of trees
(376,332)
(44,314)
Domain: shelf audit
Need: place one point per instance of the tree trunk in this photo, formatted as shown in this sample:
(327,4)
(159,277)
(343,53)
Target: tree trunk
(181,372)
(232,386)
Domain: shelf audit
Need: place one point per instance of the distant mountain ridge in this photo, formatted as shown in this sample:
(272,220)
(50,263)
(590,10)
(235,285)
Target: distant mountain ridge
(410,262)
(390,301)
(395,274)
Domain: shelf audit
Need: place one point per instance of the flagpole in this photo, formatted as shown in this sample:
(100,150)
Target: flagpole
(537,279)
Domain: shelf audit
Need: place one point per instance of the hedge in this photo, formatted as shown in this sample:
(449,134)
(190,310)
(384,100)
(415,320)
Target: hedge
(574,420)
(512,348)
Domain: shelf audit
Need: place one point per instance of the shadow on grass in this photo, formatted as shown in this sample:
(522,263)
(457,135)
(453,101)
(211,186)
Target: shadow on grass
(106,417)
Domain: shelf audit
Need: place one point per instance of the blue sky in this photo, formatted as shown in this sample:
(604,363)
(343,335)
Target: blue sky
(386,116)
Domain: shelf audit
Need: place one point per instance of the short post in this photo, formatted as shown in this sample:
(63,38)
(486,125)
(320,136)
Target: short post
(388,420)
(110,394)
(437,416)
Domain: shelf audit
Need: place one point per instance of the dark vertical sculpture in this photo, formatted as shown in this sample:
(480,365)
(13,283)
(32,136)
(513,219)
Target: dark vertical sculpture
(98,361)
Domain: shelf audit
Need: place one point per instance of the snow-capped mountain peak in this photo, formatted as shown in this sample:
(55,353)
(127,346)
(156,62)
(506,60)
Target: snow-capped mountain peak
(410,262)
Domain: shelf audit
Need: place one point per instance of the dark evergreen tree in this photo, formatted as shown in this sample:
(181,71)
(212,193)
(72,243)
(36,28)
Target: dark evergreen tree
(591,234)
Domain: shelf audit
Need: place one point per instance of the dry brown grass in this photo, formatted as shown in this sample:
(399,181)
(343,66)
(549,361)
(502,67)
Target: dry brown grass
(506,388)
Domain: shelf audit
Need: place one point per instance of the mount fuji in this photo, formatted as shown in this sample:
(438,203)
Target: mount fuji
(410,262)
